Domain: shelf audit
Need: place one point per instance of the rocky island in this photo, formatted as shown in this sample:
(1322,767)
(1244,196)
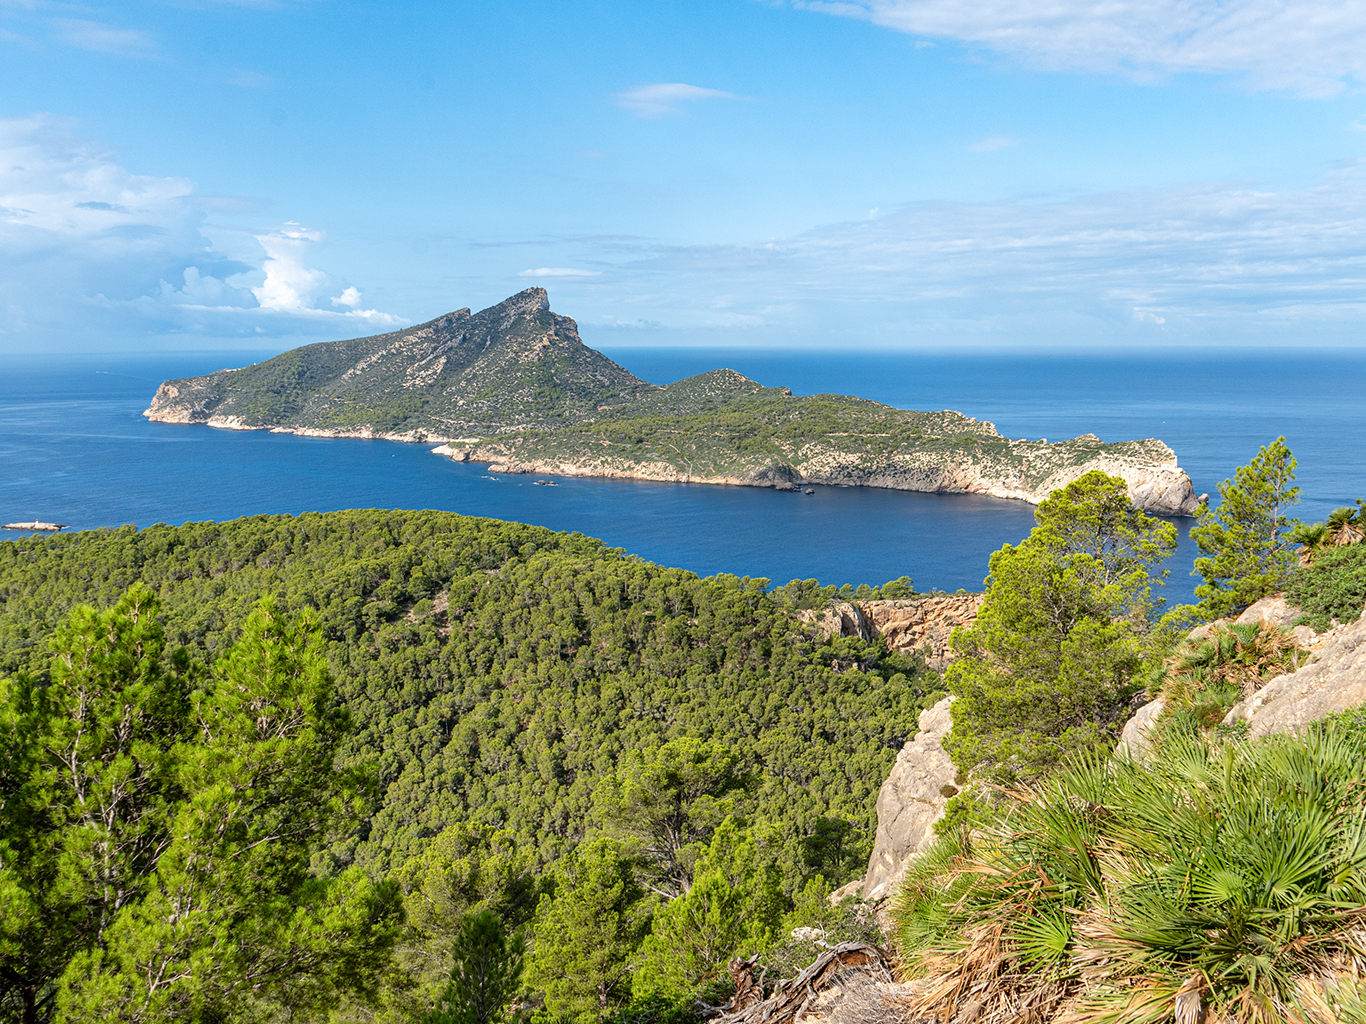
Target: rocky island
(514,386)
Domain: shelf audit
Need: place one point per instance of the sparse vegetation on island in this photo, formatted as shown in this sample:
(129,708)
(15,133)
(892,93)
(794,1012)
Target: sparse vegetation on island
(514,386)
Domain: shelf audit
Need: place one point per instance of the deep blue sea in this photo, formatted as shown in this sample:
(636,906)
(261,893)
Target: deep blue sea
(74,449)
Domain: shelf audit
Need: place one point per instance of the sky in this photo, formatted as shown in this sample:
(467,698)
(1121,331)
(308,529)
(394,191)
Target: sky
(864,175)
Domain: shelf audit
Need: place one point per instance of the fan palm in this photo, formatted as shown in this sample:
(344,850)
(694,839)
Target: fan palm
(1215,882)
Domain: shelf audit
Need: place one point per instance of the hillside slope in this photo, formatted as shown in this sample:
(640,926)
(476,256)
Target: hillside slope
(515,364)
(497,673)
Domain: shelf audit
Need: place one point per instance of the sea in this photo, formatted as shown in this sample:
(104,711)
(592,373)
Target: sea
(75,449)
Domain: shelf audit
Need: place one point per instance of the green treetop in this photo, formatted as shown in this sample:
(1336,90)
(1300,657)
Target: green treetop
(1247,541)
(486,975)
(1047,667)
(164,834)
(588,933)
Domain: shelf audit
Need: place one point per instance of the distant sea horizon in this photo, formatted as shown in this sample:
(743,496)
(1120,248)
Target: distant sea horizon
(75,449)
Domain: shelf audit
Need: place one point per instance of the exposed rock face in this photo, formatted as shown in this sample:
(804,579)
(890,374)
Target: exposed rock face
(1334,681)
(1136,739)
(909,625)
(911,801)
(838,618)
(1030,470)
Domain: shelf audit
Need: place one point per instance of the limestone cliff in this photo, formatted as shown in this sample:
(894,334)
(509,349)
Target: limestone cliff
(910,802)
(1022,469)
(909,625)
(1334,681)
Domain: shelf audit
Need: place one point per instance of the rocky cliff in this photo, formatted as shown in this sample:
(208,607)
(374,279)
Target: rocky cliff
(1334,681)
(910,802)
(1022,469)
(910,625)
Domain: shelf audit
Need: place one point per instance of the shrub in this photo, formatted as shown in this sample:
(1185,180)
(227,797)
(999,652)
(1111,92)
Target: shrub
(1333,587)
(1219,881)
(1206,677)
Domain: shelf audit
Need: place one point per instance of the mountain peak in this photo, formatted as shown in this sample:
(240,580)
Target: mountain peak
(530,300)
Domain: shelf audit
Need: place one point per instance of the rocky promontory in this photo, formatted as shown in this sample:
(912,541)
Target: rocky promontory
(513,386)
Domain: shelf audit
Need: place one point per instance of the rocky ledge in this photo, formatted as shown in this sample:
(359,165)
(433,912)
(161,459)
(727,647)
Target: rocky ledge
(1023,470)
(913,625)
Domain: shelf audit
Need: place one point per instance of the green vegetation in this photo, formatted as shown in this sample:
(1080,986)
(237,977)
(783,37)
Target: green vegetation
(1220,878)
(509,691)
(1051,663)
(401,767)
(1246,543)
(156,826)
(486,975)
(1207,675)
(1343,527)
(1333,587)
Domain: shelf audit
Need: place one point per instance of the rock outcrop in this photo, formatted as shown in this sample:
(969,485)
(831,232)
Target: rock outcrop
(1136,738)
(909,625)
(1334,681)
(1026,470)
(911,801)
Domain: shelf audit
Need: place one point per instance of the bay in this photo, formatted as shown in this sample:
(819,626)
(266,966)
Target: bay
(75,449)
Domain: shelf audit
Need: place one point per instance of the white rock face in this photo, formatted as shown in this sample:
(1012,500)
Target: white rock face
(1270,611)
(1136,739)
(1334,681)
(910,802)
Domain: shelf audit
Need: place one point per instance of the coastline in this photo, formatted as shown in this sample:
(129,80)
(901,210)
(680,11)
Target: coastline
(1159,487)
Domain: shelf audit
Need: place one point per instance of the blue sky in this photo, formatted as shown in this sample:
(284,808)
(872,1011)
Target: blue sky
(883,174)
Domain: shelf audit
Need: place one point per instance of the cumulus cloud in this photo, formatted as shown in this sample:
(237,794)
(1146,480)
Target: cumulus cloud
(1310,46)
(663,98)
(90,253)
(559,272)
(101,38)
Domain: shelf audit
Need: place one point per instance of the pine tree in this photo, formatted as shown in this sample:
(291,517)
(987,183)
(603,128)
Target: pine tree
(588,933)
(1047,668)
(734,907)
(487,972)
(1246,542)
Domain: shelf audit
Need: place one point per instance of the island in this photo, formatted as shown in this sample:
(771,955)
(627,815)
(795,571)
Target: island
(515,387)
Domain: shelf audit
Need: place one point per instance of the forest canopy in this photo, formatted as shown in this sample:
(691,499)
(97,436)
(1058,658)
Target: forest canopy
(497,674)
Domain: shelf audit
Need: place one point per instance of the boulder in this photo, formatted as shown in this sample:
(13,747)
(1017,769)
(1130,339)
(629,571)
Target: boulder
(911,801)
(1136,739)
(1270,611)
(1334,681)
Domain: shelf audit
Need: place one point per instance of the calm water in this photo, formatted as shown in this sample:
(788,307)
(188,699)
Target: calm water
(74,449)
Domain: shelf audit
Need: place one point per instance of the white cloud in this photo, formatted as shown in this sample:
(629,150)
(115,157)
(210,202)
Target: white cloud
(664,98)
(992,143)
(101,38)
(1314,47)
(1190,265)
(559,272)
(91,253)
